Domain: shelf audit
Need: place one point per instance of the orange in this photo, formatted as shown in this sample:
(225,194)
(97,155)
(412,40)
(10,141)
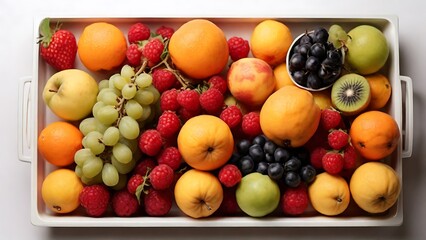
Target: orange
(58,142)
(199,49)
(205,142)
(282,78)
(61,190)
(270,41)
(374,134)
(290,116)
(380,89)
(102,46)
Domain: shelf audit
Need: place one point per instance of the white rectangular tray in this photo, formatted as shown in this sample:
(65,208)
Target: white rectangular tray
(34,116)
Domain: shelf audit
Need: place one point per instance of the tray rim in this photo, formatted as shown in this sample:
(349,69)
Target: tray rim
(43,219)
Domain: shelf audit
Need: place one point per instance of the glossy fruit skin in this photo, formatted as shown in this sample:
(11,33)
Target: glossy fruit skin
(374,134)
(368,49)
(257,194)
(58,142)
(251,81)
(205,142)
(61,190)
(375,187)
(290,116)
(270,41)
(381,91)
(199,48)
(329,194)
(198,193)
(102,46)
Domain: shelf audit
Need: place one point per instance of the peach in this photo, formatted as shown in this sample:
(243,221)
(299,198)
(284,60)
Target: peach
(251,81)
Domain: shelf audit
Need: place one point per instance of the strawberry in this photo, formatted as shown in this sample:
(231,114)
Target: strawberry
(57,47)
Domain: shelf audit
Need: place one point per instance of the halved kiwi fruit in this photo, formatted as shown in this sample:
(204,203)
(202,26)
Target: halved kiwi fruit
(351,94)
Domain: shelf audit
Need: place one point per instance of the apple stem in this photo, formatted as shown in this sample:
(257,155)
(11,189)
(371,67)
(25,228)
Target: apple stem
(207,206)
(53,90)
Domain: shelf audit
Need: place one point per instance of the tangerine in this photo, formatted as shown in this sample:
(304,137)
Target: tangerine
(199,49)
(374,134)
(58,142)
(380,89)
(61,190)
(102,46)
(270,41)
(205,142)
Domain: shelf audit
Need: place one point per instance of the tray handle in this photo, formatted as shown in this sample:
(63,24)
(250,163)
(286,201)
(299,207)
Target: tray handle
(407,128)
(24,100)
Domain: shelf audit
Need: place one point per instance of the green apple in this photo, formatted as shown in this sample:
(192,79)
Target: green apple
(70,94)
(368,49)
(257,195)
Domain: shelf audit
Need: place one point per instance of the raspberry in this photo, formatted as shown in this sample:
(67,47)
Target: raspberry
(134,182)
(349,157)
(229,205)
(333,162)
(165,32)
(150,142)
(124,203)
(232,116)
(330,119)
(185,114)
(338,139)
(138,32)
(163,79)
(229,175)
(212,101)
(152,51)
(189,99)
(219,83)
(144,166)
(161,177)
(158,202)
(171,157)
(250,124)
(295,200)
(168,124)
(95,199)
(134,55)
(168,100)
(316,157)
(238,48)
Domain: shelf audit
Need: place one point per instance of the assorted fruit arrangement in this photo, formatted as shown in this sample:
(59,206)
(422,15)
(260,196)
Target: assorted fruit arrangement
(214,123)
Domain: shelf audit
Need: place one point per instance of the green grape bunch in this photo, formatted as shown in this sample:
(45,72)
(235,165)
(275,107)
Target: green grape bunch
(125,104)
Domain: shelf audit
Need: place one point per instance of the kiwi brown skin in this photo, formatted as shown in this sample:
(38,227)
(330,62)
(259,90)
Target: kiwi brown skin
(351,94)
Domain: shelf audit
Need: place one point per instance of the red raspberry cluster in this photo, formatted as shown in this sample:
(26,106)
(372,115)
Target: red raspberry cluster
(332,150)
(145,47)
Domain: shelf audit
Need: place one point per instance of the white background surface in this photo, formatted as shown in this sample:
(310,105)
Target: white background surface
(16,24)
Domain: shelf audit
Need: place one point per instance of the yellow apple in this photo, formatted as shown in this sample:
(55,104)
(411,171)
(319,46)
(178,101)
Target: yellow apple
(375,187)
(70,94)
(198,193)
(329,194)
(323,98)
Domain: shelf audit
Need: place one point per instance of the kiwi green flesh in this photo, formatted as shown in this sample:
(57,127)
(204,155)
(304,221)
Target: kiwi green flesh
(351,94)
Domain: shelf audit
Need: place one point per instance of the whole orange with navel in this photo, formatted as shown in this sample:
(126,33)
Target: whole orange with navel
(205,142)
(374,134)
(290,116)
(61,190)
